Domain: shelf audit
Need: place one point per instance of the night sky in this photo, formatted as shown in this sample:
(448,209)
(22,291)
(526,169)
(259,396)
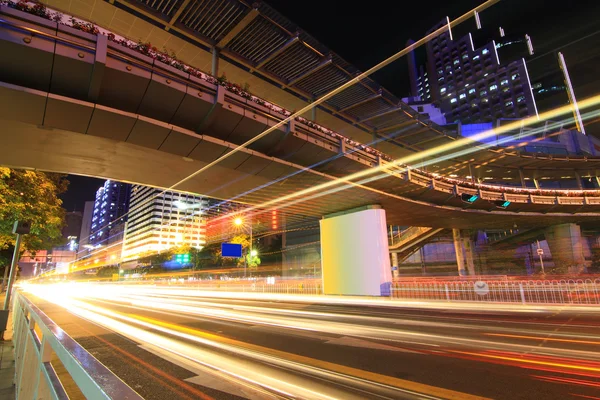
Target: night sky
(374,30)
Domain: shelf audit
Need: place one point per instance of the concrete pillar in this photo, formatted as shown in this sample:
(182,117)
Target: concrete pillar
(354,252)
(395,271)
(469,251)
(463,247)
(566,248)
(522,177)
(313,114)
(458,249)
(215,62)
(579,181)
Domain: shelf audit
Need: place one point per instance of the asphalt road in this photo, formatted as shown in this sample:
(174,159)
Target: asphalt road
(178,343)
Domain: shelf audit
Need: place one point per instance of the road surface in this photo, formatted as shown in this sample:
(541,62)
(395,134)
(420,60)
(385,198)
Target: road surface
(176,343)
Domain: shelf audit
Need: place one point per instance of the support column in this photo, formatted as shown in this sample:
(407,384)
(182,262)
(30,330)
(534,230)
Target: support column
(522,177)
(469,250)
(458,249)
(395,272)
(566,248)
(463,247)
(215,62)
(354,252)
(579,181)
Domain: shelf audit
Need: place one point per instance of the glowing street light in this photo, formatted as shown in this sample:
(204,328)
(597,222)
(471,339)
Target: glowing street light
(253,253)
(238,221)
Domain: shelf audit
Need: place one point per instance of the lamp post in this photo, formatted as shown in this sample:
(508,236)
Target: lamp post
(239,222)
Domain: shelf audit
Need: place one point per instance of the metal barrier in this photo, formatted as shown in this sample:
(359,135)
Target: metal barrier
(568,291)
(36,340)
(263,287)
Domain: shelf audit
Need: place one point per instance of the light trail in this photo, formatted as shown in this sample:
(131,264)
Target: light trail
(175,322)
(326,96)
(280,372)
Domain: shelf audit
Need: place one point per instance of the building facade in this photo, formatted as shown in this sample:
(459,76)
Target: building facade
(471,84)
(110,209)
(86,224)
(160,220)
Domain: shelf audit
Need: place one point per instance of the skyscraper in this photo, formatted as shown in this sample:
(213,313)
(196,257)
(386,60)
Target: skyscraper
(472,84)
(159,221)
(110,209)
(86,224)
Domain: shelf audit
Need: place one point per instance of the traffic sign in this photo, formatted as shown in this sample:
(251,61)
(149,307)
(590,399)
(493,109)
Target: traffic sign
(540,252)
(481,288)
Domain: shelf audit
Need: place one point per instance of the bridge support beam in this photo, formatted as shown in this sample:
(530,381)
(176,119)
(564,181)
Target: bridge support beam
(354,253)
(463,247)
(566,247)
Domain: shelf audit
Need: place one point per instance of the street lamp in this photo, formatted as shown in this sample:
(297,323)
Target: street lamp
(238,221)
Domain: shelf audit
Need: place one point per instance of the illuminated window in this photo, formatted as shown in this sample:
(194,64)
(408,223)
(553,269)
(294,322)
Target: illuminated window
(476,57)
(462,96)
(465,56)
(504,82)
(472,90)
(493,87)
(508,103)
(514,76)
(485,51)
(443,90)
(483,93)
(520,99)
(456,62)
(453,100)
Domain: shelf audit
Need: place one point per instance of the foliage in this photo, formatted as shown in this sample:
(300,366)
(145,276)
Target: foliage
(32,196)
(107,272)
(595,266)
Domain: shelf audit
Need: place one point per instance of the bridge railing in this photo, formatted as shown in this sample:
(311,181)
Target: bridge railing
(40,345)
(565,291)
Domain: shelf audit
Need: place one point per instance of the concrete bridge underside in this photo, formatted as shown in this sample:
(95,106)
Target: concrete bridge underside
(94,108)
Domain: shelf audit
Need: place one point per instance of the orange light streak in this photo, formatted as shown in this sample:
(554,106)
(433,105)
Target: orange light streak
(544,338)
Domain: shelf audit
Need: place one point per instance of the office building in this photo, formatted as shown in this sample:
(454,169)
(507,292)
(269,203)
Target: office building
(110,209)
(86,224)
(472,85)
(159,221)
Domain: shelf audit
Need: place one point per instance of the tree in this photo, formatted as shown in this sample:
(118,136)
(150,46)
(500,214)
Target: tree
(32,196)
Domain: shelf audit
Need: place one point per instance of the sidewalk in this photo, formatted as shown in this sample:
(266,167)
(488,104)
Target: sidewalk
(7,361)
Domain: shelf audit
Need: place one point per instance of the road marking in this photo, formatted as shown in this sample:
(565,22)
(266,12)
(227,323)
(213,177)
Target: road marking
(356,342)
(213,379)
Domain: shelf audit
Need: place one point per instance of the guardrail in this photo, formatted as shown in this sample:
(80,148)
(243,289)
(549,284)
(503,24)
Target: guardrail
(39,343)
(259,286)
(568,291)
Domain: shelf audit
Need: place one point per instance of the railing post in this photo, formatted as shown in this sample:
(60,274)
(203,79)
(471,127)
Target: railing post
(447,292)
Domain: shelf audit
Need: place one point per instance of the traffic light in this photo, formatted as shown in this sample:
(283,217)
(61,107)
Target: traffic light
(469,198)
(182,258)
(502,203)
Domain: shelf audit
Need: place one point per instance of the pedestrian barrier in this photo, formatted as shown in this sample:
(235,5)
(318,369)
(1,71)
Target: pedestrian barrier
(568,291)
(41,346)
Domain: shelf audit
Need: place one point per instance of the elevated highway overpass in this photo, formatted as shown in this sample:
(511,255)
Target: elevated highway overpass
(153,124)
(96,105)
